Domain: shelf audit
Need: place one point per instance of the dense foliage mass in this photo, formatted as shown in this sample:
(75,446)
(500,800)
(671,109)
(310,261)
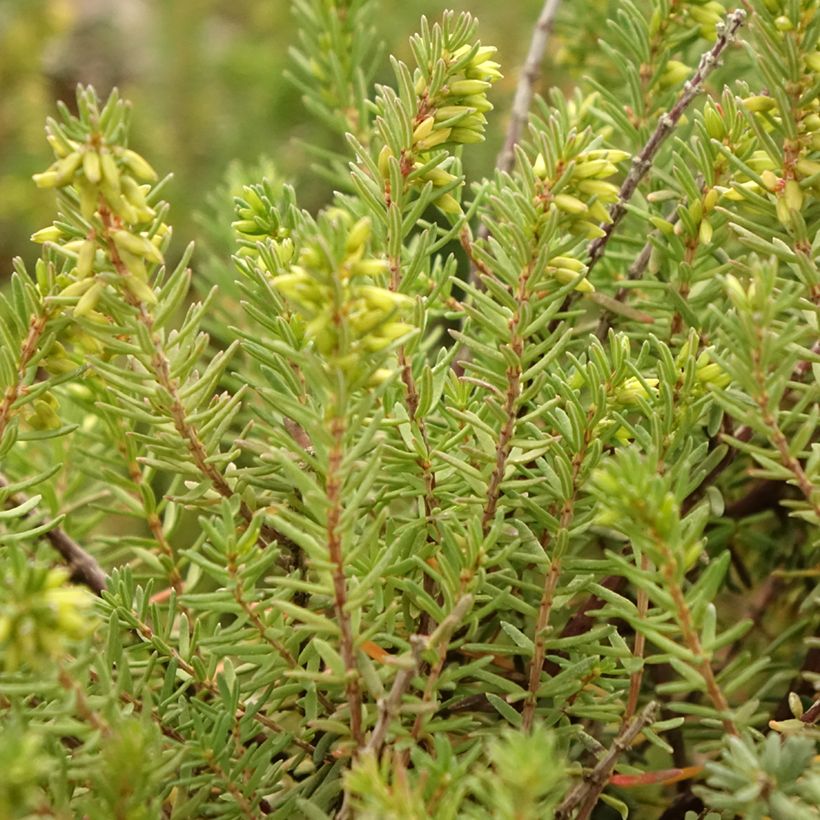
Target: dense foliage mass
(454,499)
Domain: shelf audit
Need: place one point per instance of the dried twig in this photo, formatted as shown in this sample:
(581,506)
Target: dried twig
(411,661)
(83,567)
(526,84)
(520,110)
(585,795)
(666,124)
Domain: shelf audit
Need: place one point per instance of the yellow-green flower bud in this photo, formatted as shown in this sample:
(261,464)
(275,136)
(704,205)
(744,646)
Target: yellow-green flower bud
(633,389)
(358,236)
(569,204)
(439,177)
(607,191)
(49,234)
(565,276)
(466,136)
(710,199)
(436,138)
(110,172)
(539,167)
(88,301)
(461,88)
(77,288)
(137,245)
(600,168)
(758,103)
(424,129)
(85,259)
(807,167)
(448,204)
(383,298)
(91,166)
(89,197)
(47,179)
(67,167)
(138,166)
(589,229)
(676,72)
(715,126)
(813,61)
(384,161)
(736,292)
(770,180)
(705,232)
(599,212)
(369,267)
(793,195)
(140,289)
(567,262)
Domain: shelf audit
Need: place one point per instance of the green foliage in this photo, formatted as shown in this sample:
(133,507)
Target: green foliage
(457,498)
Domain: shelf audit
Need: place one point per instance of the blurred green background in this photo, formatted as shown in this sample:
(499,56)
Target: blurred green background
(206,80)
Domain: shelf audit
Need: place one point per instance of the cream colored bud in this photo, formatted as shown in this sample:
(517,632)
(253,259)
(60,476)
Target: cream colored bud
(770,180)
(461,88)
(448,204)
(569,204)
(359,234)
(85,259)
(77,288)
(88,301)
(793,195)
(49,234)
(48,179)
(140,289)
(466,136)
(435,139)
(567,262)
(758,103)
(91,166)
(424,129)
(539,167)
(138,166)
(384,161)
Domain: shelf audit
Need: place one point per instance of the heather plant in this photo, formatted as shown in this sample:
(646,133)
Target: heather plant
(458,498)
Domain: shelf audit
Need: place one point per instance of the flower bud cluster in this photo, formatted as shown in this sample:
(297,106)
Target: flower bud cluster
(708,373)
(257,219)
(578,188)
(39,612)
(584,191)
(347,314)
(455,112)
(448,114)
(707,16)
(116,226)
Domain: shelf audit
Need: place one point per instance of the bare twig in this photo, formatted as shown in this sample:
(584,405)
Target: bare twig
(389,706)
(666,124)
(411,661)
(585,795)
(83,567)
(526,84)
(520,110)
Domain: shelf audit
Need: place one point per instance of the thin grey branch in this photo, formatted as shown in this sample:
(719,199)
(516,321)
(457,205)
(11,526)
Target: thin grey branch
(585,795)
(526,84)
(666,124)
(83,567)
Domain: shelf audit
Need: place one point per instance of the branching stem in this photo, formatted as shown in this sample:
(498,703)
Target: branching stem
(666,124)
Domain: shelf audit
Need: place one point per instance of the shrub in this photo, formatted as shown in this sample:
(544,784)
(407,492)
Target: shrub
(487,500)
